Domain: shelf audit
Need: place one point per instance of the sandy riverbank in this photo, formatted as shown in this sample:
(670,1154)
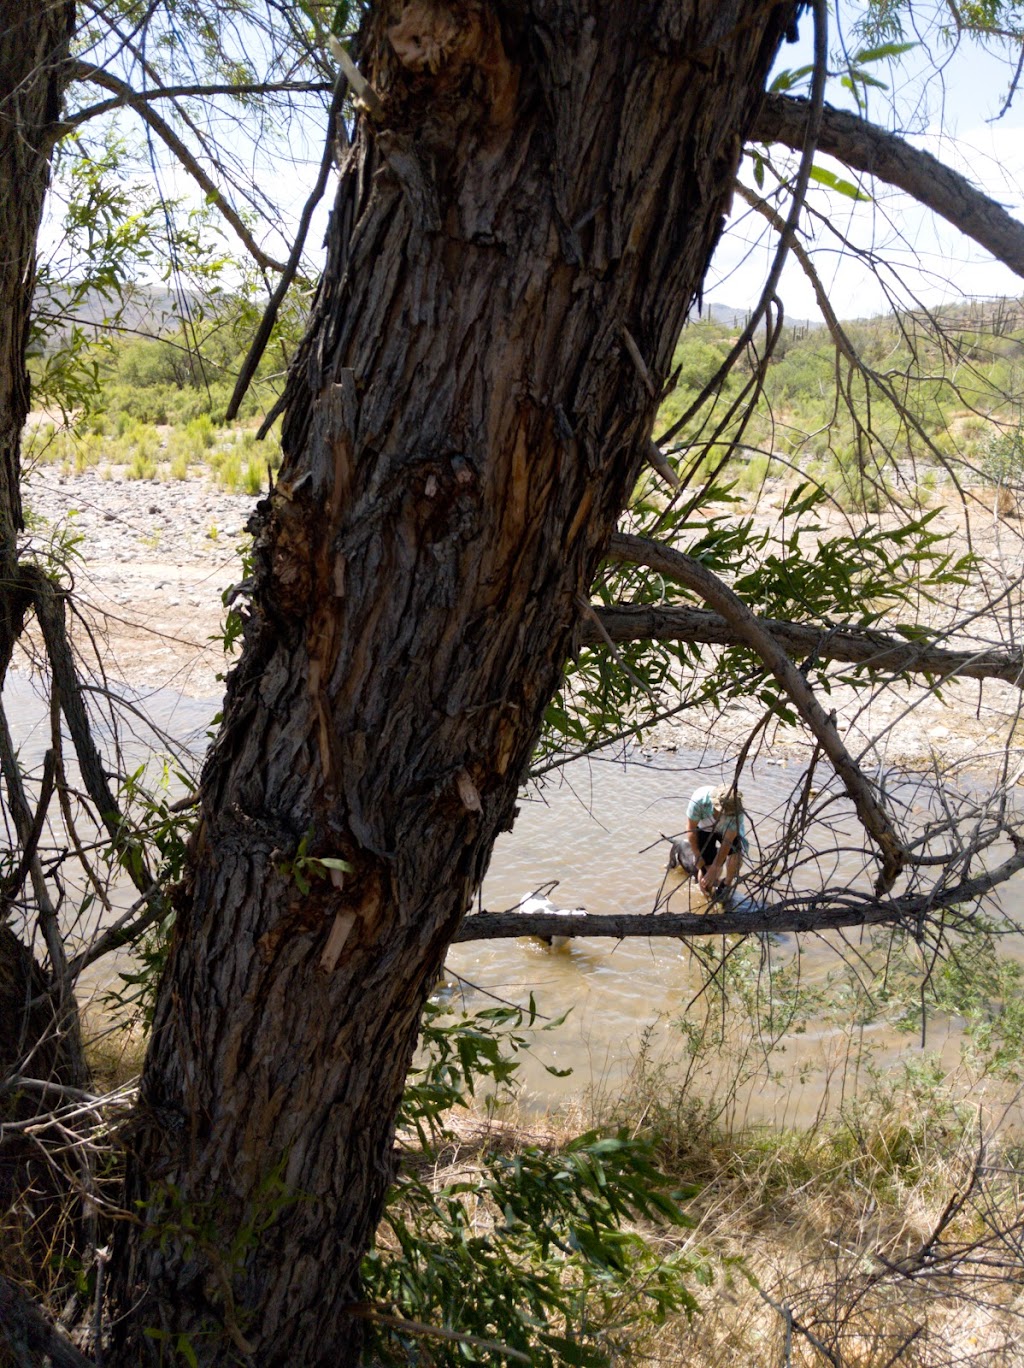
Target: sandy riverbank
(156,556)
(153,561)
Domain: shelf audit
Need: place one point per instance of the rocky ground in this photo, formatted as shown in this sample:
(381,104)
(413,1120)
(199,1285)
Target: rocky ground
(960,724)
(156,556)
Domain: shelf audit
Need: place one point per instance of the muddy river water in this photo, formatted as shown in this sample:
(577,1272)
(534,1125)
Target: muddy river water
(593,837)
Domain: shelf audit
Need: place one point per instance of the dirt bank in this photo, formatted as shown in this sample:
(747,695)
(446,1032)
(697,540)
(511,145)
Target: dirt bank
(154,557)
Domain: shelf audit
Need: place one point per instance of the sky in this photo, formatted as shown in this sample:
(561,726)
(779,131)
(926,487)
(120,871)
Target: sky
(946,97)
(949,112)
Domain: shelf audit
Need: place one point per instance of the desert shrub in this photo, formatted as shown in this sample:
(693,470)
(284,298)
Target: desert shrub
(1001,457)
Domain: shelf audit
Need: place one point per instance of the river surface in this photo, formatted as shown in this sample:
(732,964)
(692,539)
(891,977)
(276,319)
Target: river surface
(592,837)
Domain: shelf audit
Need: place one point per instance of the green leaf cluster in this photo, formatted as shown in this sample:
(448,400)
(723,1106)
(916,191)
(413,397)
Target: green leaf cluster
(530,1251)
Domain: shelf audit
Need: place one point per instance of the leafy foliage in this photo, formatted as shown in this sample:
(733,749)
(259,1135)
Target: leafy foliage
(939,399)
(523,1251)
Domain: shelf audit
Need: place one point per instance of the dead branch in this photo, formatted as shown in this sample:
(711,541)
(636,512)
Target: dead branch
(142,914)
(27,1333)
(266,325)
(801,182)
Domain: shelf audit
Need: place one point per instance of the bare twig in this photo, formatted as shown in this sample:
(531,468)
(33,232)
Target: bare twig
(724,601)
(128,927)
(184,92)
(808,147)
(102,77)
(266,327)
(50,613)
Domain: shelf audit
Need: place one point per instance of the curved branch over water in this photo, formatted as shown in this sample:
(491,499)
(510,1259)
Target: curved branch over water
(718,596)
(879,653)
(828,910)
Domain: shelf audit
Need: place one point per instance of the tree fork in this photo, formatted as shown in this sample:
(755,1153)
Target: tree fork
(464,424)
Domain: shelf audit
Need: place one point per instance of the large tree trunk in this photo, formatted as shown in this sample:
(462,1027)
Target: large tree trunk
(519,231)
(39,1028)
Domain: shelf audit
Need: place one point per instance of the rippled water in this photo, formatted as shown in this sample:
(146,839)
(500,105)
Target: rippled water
(597,832)
(594,836)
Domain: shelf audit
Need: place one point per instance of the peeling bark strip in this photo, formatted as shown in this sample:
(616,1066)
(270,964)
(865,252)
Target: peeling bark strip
(464,424)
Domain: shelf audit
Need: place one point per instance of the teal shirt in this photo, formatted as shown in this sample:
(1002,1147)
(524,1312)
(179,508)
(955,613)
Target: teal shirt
(701,811)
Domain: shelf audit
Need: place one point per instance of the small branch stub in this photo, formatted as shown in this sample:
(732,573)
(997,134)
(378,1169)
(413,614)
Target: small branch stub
(361,89)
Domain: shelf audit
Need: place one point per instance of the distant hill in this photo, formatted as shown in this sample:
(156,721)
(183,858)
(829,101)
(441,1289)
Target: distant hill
(151,309)
(730,317)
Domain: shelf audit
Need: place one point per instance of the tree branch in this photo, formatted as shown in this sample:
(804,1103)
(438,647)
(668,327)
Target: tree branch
(801,182)
(24,823)
(880,653)
(128,927)
(192,91)
(266,327)
(638,551)
(84,71)
(828,910)
(49,606)
(874,151)
(27,1333)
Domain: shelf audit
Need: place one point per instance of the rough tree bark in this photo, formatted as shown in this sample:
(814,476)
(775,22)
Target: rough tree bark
(519,231)
(38,1015)
(33,71)
(33,63)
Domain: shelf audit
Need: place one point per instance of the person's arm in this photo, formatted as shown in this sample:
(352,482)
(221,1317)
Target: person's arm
(725,858)
(732,868)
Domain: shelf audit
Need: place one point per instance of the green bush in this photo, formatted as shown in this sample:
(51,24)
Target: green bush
(528,1249)
(1001,457)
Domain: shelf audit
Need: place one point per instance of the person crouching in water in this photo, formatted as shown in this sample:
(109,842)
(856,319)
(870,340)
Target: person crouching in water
(716,837)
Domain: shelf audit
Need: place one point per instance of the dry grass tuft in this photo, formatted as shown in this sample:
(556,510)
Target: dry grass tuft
(890,1234)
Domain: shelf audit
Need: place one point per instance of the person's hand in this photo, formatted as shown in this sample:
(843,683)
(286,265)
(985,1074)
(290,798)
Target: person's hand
(709,878)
